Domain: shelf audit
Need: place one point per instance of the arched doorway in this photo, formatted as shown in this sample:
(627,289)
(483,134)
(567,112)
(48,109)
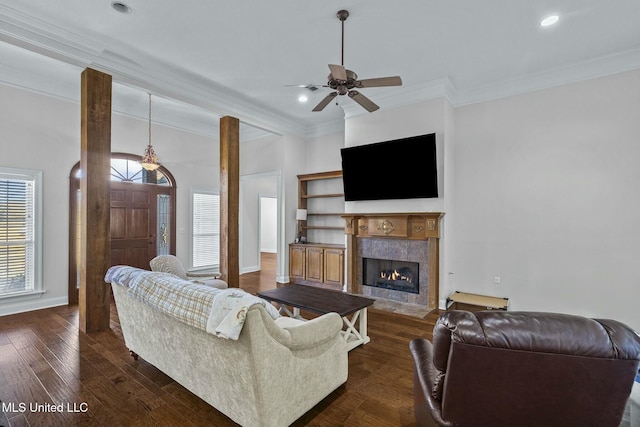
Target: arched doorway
(143,223)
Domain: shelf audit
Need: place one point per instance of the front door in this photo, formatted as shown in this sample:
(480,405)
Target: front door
(142,216)
(133,224)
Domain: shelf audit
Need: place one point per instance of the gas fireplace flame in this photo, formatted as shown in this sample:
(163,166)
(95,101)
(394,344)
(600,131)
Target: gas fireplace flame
(396,275)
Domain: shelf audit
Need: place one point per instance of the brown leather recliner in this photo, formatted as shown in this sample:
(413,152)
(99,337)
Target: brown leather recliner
(523,369)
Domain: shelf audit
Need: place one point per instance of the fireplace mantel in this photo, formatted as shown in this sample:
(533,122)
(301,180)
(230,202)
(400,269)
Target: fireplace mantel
(415,226)
(397,225)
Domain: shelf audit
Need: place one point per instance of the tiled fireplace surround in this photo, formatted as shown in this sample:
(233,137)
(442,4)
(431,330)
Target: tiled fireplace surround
(395,236)
(395,250)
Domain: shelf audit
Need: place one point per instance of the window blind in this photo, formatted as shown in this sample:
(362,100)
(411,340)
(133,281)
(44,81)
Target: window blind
(206,230)
(17,203)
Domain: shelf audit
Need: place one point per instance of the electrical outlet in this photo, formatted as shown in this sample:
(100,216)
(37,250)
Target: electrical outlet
(497,280)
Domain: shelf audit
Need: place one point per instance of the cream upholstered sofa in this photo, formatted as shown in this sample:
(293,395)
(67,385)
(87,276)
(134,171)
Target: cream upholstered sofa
(274,372)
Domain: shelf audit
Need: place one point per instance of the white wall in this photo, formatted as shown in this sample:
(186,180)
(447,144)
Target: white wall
(323,153)
(252,187)
(547,198)
(43,133)
(268,224)
(284,155)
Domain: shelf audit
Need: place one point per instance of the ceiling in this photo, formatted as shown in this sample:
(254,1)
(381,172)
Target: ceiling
(206,59)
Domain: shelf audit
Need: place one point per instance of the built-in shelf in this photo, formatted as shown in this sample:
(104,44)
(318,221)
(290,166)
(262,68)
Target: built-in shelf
(317,196)
(321,261)
(312,188)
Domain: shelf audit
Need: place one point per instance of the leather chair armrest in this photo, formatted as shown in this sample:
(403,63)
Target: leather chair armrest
(427,409)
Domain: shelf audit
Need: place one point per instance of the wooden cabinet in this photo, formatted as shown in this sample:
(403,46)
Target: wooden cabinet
(317,264)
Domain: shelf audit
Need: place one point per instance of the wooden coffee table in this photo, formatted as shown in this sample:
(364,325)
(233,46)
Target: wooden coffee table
(321,301)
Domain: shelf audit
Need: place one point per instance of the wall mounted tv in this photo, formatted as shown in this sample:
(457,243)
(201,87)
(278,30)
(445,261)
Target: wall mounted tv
(398,169)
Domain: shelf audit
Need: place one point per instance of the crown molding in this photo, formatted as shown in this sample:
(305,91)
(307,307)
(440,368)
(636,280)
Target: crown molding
(582,71)
(145,72)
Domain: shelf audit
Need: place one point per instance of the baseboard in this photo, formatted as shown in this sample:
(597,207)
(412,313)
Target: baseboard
(40,304)
(283,279)
(251,269)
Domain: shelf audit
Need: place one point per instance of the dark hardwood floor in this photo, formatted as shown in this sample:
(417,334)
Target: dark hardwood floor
(46,360)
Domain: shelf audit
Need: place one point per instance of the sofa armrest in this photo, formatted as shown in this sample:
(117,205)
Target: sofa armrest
(314,332)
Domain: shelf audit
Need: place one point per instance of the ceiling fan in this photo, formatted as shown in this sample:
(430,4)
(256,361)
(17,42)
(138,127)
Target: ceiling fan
(344,82)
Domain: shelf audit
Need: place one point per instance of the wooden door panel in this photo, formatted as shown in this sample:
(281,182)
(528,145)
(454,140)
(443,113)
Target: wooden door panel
(141,196)
(118,256)
(138,226)
(118,223)
(118,195)
(138,257)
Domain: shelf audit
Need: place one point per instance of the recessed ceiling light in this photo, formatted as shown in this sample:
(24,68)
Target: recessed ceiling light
(549,20)
(121,7)
(303,98)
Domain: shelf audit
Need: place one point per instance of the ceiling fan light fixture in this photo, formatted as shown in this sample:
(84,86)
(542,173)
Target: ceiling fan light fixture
(302,99)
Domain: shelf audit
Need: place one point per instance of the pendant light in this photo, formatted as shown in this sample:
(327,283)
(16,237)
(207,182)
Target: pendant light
(149,160)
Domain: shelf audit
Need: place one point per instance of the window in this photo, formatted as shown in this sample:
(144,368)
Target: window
(128,170)
(20,224)
(205,231)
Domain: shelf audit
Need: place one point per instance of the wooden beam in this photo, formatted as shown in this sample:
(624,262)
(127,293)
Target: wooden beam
(95,164)
(230,200)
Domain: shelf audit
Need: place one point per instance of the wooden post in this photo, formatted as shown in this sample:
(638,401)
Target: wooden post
(95,163)
(230,200)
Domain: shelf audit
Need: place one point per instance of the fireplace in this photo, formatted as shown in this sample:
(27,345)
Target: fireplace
(407,246)
(391,274)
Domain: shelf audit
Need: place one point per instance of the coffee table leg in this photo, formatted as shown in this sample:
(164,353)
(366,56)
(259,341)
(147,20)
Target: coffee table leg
(354,336)
(295,314)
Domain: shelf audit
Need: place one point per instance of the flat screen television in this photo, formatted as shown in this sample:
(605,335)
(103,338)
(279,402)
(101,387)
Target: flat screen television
(399,169)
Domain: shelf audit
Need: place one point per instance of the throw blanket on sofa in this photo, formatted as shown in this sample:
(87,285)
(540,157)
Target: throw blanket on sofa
(229,311)
(191,303)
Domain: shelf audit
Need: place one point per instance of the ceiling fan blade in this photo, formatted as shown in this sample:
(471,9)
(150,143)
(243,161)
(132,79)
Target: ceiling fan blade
(312,87)
(365,102)
(338,72)
(380,81)
(327,99)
